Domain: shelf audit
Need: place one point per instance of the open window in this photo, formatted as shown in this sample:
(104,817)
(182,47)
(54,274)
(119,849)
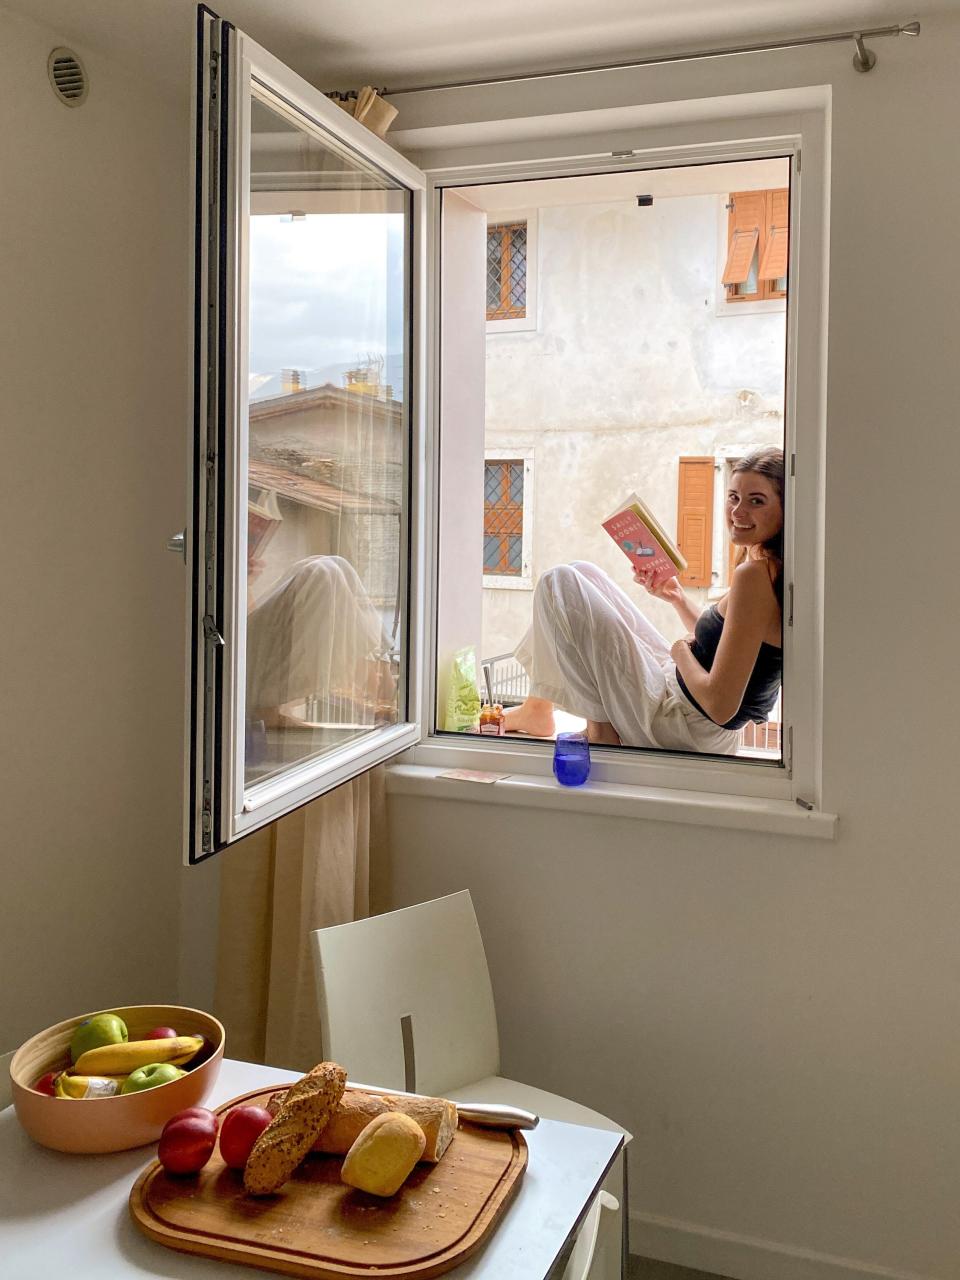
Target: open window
(305,405)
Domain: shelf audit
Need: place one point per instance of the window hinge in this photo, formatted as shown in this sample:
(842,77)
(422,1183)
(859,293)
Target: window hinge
(790,606)
(799,154)
(793,464)
(804,804)
(210,632)
(789,746)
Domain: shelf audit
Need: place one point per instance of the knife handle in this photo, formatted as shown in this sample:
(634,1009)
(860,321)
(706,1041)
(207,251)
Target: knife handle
(495,1115)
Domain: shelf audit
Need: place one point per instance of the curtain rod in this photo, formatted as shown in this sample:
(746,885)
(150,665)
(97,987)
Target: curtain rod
(864,59)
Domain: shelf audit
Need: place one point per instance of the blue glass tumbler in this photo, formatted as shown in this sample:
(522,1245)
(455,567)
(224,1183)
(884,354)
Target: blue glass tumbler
(571,759)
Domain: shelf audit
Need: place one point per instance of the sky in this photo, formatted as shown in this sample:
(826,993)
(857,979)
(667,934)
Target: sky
(326,291)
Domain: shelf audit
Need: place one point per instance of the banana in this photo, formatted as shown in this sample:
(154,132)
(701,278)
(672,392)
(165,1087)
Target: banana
(121,1059)
(73,1086)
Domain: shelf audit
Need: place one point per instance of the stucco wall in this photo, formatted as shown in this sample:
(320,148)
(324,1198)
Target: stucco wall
(630,368)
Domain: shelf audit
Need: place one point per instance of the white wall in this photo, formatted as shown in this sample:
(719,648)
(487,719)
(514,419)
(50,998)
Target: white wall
(776,1019)
(94,271)
(630,367)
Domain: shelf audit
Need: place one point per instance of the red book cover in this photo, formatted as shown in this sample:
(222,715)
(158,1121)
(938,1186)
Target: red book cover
(643,541)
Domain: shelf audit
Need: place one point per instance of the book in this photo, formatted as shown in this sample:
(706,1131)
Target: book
(643,540)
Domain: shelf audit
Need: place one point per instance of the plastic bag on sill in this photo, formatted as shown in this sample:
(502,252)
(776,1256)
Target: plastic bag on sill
(463,700)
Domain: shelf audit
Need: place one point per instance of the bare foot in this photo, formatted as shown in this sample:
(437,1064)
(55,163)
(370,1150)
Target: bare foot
(603,734)
(534,717)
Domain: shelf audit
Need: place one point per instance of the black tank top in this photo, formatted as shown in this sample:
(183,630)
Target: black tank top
(763,685)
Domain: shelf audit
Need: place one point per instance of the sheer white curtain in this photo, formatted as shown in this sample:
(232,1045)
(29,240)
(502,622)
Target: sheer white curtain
(309,870)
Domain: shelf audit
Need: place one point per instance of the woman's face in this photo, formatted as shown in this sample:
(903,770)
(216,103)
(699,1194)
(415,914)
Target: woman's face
(754,510)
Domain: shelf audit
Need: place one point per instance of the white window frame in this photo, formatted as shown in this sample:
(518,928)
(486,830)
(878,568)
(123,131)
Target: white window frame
(525,579)
(220,808)
(530,320)
(746,793)
(722,306)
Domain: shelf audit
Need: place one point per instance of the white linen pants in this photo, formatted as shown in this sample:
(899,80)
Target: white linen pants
(314,633)
(591,651)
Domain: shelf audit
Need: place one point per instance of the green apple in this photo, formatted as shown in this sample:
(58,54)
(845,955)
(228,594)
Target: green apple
(103,1028)
(150,1076)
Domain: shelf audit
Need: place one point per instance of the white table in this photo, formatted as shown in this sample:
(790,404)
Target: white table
(63,1215)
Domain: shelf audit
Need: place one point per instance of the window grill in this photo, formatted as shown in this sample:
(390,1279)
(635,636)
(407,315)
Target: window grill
(503,518)
(507,271)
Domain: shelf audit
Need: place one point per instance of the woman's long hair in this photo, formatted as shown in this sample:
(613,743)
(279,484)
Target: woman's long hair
(767,462)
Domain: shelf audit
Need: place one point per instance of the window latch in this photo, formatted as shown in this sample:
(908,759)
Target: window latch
(210,632)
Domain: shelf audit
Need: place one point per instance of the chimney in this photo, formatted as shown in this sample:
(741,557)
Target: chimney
(290,381)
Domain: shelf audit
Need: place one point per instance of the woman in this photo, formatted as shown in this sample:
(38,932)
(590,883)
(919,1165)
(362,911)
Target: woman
(591,651)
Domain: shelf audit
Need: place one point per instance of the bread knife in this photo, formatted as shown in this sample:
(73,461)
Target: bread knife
(491,1115)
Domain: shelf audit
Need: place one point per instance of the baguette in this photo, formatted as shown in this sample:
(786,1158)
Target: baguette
(435,1116)
(305,1109)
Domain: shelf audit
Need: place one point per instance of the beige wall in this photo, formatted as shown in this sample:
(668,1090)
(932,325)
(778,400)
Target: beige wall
(776,1019)
(93,303)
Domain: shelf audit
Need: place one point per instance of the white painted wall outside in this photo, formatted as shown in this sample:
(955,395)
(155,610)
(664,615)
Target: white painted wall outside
(630,368)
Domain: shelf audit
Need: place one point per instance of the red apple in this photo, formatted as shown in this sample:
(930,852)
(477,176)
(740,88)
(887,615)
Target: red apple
(45,1084)
(159,1033)
(187,1140)
(239,1131)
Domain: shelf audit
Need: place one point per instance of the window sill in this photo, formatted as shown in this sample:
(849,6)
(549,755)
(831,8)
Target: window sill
(608,799)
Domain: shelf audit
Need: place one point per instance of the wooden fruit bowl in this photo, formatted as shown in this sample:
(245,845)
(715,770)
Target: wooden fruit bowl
(98,1125)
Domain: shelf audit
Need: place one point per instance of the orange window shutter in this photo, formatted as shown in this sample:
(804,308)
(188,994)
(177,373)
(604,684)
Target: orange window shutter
(744,223)
(695,520)
(773,260)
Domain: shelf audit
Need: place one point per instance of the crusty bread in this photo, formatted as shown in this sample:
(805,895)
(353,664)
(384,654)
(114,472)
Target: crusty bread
(306,1108)
(382,1158)
(436,1117)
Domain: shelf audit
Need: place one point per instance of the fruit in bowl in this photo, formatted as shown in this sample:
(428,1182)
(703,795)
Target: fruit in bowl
(88,1123)
(92,1033)
(153,1074)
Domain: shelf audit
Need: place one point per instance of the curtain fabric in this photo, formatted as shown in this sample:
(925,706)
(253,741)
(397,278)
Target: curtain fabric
(306,871)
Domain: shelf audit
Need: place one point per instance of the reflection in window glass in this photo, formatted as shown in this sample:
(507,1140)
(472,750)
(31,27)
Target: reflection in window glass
(327,425)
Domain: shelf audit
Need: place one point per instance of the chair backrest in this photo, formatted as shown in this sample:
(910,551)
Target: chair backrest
(405,998)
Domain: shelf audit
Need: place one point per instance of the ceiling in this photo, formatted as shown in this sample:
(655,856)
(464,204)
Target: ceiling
(339,44)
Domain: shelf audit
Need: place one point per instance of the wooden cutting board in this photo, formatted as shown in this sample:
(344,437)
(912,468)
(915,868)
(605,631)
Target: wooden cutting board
(317,1227)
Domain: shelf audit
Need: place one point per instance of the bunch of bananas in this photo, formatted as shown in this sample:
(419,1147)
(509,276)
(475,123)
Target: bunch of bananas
(102,1072)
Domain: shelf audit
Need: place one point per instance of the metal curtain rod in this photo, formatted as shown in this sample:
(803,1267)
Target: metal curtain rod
(864,59)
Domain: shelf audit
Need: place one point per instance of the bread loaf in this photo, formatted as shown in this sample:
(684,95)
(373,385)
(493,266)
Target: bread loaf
(305,1109)
(435,1116)
(384,1154)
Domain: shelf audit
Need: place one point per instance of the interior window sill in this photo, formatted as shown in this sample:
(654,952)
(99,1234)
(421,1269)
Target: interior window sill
(610,799)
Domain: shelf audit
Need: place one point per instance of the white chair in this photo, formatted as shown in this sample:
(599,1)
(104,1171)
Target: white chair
(406,1003)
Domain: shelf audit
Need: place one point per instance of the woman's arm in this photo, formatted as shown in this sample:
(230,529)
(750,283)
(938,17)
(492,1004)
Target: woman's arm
(751,606)
(673,593)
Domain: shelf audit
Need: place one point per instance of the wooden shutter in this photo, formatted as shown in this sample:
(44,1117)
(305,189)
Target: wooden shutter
(744,223)
(774,254)
(695,520)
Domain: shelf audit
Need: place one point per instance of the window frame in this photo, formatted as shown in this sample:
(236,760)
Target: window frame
(674,782)
(528,322)
(524,580)
(219,808)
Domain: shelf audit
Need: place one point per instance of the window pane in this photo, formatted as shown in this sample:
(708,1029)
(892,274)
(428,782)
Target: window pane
(327,428)
(492,482)
(491,554)
(516,482)
(514,554)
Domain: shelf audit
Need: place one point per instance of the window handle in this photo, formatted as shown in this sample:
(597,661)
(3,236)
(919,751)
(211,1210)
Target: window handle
(177,543)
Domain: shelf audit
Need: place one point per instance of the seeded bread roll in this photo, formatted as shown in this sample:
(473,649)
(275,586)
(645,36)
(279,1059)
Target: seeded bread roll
(435,1116)
(306,1108)
(381,1159)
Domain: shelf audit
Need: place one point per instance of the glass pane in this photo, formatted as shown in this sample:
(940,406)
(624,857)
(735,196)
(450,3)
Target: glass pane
(514,554)
(327,423)
(494,238)
(516,482)
(491,554)
(492,482)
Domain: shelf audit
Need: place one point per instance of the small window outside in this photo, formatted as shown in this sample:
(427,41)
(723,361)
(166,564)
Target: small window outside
(506,520)
(757,245)
(507,271)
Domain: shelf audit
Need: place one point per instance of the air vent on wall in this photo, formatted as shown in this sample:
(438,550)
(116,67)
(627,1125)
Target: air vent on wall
(67,76)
